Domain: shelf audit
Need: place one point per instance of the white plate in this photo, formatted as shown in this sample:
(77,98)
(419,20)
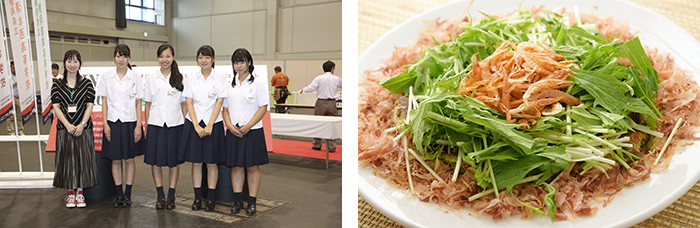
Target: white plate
(630,206)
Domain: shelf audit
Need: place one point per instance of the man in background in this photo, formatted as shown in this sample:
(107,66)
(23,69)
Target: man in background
(54,71)
(280,81)
(11,121)
(327,86)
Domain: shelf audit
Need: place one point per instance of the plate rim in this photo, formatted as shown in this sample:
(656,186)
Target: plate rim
(658,206)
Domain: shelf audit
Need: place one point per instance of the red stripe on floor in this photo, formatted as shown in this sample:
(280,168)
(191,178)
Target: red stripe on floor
(303,149)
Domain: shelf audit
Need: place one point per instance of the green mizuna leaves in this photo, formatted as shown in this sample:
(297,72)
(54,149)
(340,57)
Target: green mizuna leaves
(503,154)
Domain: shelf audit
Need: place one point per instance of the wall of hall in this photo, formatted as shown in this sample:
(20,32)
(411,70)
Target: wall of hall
(285,29)
(298,35)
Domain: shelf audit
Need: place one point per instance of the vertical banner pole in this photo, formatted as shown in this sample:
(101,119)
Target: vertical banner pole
(43,51)
(22,54)
(6,79)
(6,96)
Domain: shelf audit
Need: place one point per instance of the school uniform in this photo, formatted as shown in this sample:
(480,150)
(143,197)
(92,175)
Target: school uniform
(121,95)
(242,102)
(75,156)
(165,121)
(204,93)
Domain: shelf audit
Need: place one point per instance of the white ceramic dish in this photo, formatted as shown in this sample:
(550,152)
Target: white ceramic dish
(630,206)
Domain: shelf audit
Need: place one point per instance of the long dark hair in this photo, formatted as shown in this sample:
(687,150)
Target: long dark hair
(175,75)
(123,50)
(70,53)
(206,50)
(242,55)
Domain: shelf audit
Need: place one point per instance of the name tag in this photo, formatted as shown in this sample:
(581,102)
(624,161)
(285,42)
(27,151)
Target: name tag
(172,92)
(213,93)
(132,95)
(72,108)
(249,99)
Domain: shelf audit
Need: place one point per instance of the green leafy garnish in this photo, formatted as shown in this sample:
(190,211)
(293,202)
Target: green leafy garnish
(502,154)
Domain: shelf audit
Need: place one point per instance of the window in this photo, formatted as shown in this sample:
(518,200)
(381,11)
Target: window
(140,10)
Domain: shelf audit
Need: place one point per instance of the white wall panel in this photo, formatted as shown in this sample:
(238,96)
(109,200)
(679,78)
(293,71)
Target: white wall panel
(259,32)
(231,31)
(261,4)
(99,8)
(228,6)
(189,8)
(192,33)
(286,3)
(317,28)
(286,29)
(307,2)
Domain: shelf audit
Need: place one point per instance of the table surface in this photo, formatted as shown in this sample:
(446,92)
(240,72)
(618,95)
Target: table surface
(302,106)
(376,17)
(306,125)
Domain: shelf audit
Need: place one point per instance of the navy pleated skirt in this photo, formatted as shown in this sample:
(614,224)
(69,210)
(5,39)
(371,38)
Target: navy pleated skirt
(162,145)
(195,149)
(122,145)
(249,150)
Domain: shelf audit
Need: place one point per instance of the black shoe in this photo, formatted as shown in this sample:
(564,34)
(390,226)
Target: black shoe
(197,205)
(236,208)
(118,202)
(316,148)
(160,203)
(126,202)
(170,204)
(209,206)
(250,210)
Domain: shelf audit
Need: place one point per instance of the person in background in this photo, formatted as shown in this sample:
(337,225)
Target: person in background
(244,106)
(280,81)
(72,98)
(203,133)
(121,90)
(165,116)
(54,72)
(327,86)
(18,111)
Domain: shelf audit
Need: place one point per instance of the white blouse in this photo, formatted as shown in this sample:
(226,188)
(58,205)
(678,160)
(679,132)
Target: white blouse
(121,94)
(165,101)
(204,94)
(245,99)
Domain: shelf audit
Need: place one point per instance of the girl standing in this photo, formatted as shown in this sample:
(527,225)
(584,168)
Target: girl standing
(203,132)
(165,111)
(72,97)
(244,106)
(121,90)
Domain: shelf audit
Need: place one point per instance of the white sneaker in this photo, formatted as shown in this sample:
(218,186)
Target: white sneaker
(70,201)
(80,201)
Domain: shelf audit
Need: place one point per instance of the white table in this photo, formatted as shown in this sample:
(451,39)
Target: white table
(307,107)
(325,127)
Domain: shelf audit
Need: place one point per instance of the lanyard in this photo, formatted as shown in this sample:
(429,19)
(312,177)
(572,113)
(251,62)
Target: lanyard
(72,90)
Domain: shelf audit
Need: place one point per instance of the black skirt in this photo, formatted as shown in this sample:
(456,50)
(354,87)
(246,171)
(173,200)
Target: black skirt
(250,150)
(75,165)
(196,149)
(122,145)
(162,145)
